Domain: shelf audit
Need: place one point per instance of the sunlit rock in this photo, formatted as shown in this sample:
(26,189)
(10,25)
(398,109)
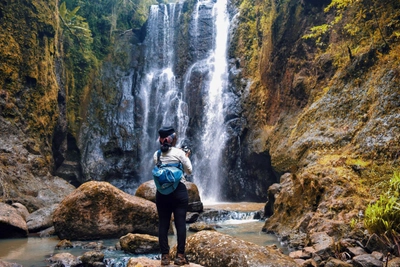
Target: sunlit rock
(65,259)
(210,248)
(12,224)
(99,210)
(139,243)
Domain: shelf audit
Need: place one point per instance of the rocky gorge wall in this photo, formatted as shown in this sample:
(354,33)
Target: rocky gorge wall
(29,111)
(326,113)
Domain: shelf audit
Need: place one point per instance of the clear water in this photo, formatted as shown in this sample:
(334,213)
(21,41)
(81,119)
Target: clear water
(33,251)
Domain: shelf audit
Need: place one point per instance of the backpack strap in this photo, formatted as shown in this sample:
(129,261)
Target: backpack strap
(158,158)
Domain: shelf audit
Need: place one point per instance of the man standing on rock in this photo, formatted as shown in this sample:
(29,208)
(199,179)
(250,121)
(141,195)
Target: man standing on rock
(173,198)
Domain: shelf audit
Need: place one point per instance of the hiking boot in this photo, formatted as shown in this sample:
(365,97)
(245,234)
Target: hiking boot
(180,259)
(165,259)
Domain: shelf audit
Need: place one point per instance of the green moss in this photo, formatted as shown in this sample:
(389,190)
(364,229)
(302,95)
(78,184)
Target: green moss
(383,216)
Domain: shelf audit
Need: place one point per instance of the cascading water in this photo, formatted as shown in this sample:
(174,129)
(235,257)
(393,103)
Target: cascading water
(208,168)
(167,99)
(159,94)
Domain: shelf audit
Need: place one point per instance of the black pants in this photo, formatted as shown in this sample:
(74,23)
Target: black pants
(177,203)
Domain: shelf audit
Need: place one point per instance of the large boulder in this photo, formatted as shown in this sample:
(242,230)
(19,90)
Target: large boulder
(210,248)
(98,210)
(148,190)
(12,224)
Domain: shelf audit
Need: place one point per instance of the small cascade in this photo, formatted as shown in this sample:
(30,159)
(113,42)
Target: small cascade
(229,216)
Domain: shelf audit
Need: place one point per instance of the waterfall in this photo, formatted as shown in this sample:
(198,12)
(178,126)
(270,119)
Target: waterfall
(207,171)
(160,96)
(193,100)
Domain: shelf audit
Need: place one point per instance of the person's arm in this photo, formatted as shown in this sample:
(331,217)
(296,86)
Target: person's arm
(187,164)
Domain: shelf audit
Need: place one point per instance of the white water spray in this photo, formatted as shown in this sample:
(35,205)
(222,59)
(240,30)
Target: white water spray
(208,162)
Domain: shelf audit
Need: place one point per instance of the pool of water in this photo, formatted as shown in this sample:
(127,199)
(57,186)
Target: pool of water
(33,251)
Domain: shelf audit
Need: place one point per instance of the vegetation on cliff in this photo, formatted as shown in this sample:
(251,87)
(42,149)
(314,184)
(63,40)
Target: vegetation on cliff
(89,29)
(323,103)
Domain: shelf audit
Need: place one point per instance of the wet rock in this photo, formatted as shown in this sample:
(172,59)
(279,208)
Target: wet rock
(98,210)
(210,248)
(41,219)
(366,260)
(139,243)
(66,259)
(12,224)
(191,217)
(64,244)
(195,206)
(95,245)
(92,258)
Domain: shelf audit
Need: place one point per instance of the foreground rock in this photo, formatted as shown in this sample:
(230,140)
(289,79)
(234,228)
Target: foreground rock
(210,248)
(12,224)
(148,190)
(64,259)
(98,210)
(9,264)
(146,262)
(139,243)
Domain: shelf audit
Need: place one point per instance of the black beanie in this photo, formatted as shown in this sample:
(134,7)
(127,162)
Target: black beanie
(166,131)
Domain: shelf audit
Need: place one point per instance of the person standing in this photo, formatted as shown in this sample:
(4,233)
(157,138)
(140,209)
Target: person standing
(173,199)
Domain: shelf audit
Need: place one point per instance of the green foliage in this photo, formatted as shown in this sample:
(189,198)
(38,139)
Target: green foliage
(339,4)
(76,25)
(317,32)
(109,17)
(383,217)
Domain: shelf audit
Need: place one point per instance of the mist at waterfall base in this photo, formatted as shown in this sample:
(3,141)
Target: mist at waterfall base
(34,251)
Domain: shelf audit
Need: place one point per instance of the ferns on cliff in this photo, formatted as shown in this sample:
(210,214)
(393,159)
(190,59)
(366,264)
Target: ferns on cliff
(358,26)
(383,216)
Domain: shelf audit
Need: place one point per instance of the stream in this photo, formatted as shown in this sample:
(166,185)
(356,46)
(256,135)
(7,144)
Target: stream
(33,251)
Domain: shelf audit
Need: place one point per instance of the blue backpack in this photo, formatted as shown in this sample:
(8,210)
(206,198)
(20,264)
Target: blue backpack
(167,176)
